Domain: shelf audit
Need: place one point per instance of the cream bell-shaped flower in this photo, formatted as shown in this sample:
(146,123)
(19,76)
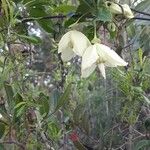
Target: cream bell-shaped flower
(102,56)
(72,43)
(120,9)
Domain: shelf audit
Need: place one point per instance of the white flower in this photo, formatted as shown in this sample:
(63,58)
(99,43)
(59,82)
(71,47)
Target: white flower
(120,9)
(72,43)
(127,11)
(99,55)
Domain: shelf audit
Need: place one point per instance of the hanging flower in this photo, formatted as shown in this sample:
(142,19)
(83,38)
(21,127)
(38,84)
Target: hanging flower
(120,9)
(127,11)
(99,55)
(72,43)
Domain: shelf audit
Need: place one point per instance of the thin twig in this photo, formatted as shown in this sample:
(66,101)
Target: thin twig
(111,129)
(141,18)
(65,16)
(140,12)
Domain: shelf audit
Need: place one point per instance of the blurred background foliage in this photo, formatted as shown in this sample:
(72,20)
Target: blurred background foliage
(43,100)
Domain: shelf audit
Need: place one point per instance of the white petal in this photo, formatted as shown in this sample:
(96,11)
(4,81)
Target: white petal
(111,58)
(72,42)
(88,71)
(89,57)
(64,42)
(80,42)
(114,8)
(67,55)
(102,69)
(127,11)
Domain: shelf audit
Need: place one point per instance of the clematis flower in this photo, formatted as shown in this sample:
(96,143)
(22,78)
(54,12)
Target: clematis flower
(72,43)
(120,9)
(102,56)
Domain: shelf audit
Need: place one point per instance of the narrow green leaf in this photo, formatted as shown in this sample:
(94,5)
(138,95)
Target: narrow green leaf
(10,94)
(104,14)
(20,111)
(142,144)
(78,112)
(5,8)
(2,129)
(85,123)
(2,147)
(20,104)
(64,98)
(65,9)
(47,25)
(44,103)
(142,6)
(33,39)
(140,53)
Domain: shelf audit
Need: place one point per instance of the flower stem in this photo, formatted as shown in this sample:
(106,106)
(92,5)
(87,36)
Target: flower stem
(95,39)
(95,35)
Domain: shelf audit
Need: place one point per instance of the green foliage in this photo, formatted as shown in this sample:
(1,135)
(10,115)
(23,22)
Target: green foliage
(104,14)
(2,129)
(42,99)
(65,9)
(142,144)
(64,98)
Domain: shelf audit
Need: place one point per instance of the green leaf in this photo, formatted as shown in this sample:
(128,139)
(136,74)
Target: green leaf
(53,130)
(55,95)
(20,111)
(103,14)
(2,147)
(85,123)
(143,5)
(47,25)
(70,21)
(140,53)
(44,103)
(10,95)
(32,39)
(146,99)
(142,144)
(147,124)
(78,113)
(2,129)
(20,104)
(38,11)
(5,8)
(85,7)
(64,98)
(65,9)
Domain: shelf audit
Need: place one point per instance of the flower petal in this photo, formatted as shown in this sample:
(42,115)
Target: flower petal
(127,11)
(80,42)
(89,57)
(114,8)
(102,69)
(111,58)
(72,42)
(64,42)
(88,71)
(67,54)
(119,9)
